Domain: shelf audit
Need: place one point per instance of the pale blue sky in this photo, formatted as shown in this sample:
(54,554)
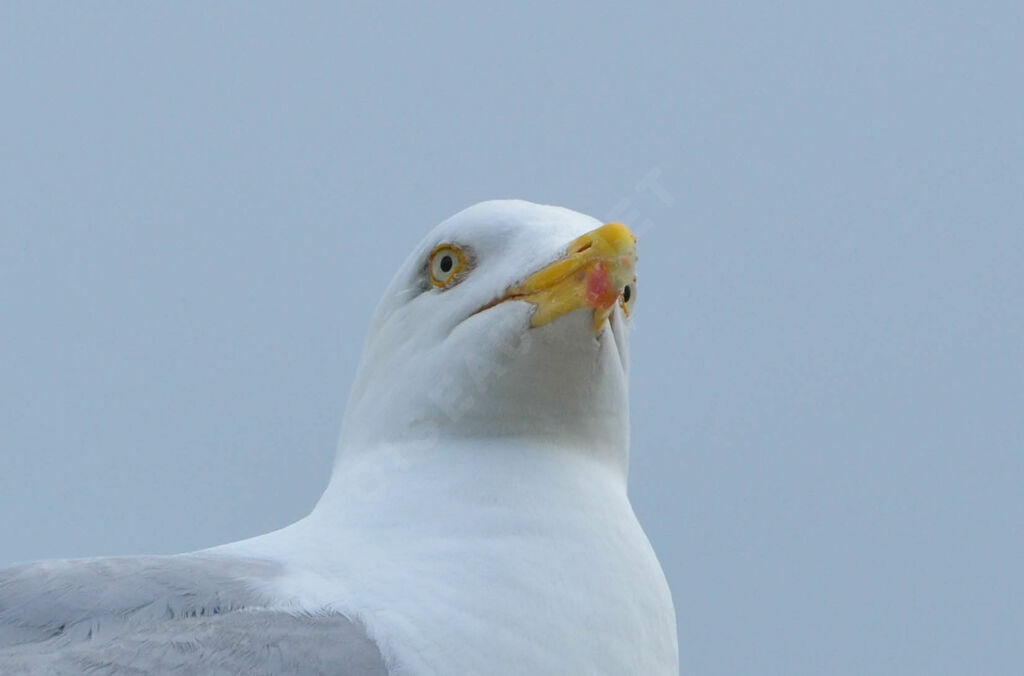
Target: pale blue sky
(199,207)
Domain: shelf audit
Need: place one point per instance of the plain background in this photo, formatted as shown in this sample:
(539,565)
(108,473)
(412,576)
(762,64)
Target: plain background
(200,205)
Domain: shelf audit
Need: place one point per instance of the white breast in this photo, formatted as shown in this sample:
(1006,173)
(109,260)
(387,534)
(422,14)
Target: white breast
(503,559)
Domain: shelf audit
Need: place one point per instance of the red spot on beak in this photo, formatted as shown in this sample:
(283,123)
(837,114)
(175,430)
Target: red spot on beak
(599,293)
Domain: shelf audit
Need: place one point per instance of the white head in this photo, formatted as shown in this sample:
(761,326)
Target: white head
(508,320)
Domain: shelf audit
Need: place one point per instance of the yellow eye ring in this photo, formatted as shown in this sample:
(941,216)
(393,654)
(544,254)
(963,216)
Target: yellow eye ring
(628,297)
(446,262)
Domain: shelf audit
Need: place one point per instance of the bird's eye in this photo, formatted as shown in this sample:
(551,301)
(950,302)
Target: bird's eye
(446,262)
(628,297)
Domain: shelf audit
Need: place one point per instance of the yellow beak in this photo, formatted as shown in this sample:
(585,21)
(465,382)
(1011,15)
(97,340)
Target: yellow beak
(592,273)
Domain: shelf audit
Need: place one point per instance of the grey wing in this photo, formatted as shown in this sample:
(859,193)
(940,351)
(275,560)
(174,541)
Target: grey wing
(189,614)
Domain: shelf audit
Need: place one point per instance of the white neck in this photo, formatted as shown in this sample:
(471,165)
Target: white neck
(534,549)
(465,471)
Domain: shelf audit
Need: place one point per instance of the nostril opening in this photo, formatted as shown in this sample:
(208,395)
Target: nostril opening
(584,247)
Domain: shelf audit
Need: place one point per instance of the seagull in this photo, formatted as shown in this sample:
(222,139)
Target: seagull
(476,520)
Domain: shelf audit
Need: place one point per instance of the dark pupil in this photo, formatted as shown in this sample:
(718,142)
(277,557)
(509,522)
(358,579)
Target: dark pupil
(446,263)
(626,293)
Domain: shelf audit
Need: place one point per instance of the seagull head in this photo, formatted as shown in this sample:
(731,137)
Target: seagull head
(509,319)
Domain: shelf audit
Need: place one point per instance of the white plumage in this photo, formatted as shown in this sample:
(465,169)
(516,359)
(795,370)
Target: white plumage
(476,520)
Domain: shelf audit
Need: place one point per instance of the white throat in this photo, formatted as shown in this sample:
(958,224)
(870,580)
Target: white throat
(477,520)
(535,550)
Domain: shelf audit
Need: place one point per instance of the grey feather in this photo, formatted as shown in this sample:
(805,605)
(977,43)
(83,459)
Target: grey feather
(186,614)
